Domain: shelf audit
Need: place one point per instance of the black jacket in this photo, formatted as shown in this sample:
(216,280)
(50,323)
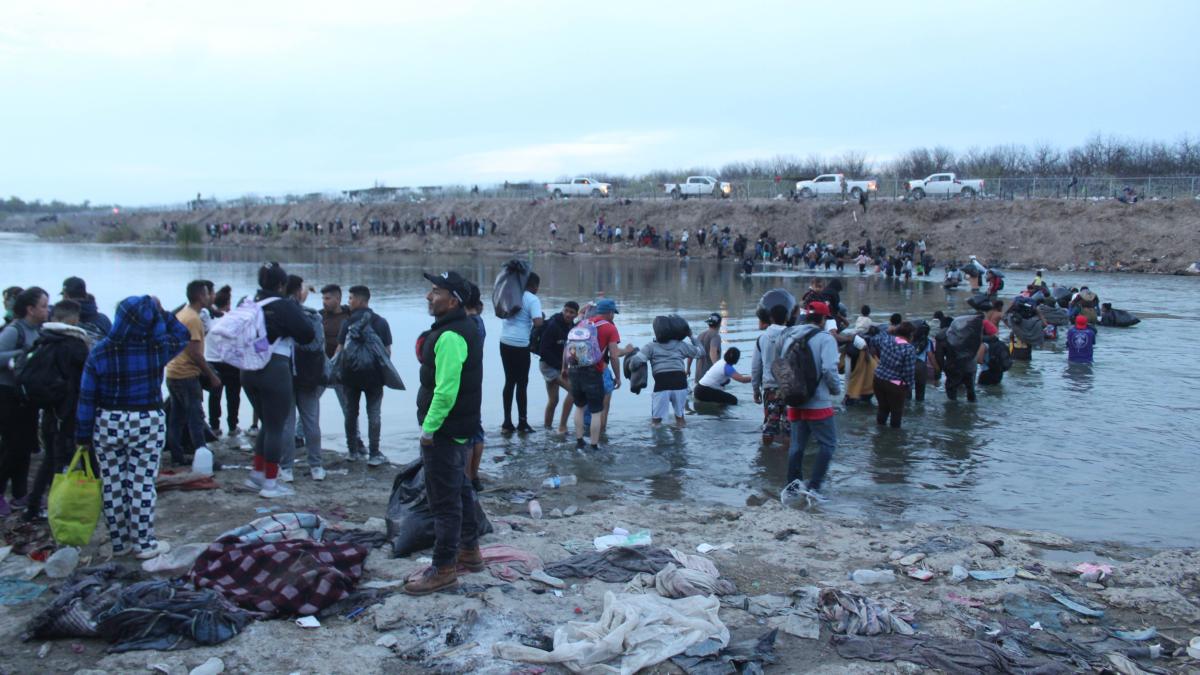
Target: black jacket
(70,354)
(284,318)
(464,418)
(554,340)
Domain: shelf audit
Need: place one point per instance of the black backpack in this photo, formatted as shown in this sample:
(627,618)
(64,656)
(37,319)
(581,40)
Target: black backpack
(795,371)
(38,376)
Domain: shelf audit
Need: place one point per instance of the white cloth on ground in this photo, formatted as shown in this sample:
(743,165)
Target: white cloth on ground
(633,632)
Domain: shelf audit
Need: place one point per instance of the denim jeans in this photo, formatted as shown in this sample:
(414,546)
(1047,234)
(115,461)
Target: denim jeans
(352,397)
(825,433)
(451,499)
(185,415)
(308,410)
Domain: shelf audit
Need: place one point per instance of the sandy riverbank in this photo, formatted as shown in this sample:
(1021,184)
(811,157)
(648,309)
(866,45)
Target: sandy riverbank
(1153,236)
(775,551)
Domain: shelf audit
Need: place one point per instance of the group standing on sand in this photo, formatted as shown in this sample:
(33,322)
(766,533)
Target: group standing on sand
(86,381)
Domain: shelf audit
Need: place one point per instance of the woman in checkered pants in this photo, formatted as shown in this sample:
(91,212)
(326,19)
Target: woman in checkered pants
(120,415)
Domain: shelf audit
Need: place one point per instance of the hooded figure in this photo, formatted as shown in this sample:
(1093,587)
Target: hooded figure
(120,412)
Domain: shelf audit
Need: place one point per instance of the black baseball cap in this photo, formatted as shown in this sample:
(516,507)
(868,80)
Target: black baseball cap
(74,287)
(454,282)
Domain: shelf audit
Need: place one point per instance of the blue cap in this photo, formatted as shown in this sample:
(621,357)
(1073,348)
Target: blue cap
(606,305)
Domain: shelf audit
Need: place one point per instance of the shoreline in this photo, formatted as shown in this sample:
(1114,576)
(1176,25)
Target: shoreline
(775,549)
(1062,235)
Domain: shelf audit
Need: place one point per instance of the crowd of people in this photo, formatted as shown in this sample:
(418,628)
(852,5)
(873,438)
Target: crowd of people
(450,226)
(71,378)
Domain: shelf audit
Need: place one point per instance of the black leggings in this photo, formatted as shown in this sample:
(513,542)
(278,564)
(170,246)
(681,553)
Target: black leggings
(890,398)
(516,379)
(270,391)
(19,431)
(231,386)
(712,395)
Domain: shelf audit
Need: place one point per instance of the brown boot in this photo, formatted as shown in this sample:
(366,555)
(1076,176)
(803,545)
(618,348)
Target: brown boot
(472,559)
(433,580)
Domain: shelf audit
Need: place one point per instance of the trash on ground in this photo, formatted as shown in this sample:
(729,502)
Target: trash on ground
(570,510)
(540,575)
(634,632)
(709,548)
(963,600)
(43,650)
(921,574)
(308,622)
(850,614)
(62,562)
(911,559)
(608,541)
(958,574)
(746,656)
(1075,606)
(388,641)
(993,575)
(15,591)
(869,577)
(1193,649)
(535,509)
(1032,611)
(178,559)
(1093,573)
(213,666)
(943,654)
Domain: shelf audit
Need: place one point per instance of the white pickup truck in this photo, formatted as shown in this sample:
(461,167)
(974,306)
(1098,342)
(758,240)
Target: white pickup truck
(944,185)
(579,187)
(833,184)
(699,186)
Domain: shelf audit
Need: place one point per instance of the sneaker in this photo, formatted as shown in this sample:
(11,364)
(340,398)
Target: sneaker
(507,428)
(376,460)
(255,481)
(286,475)
(524,428)
(579,444)
(276,491)
(234,432)
(352,456)
(252,431)
(215,430)
(793,493)
(318,473)
(594,448)
(158,549)
(815,497)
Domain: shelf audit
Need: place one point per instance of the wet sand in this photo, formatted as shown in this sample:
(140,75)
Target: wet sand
(775,550)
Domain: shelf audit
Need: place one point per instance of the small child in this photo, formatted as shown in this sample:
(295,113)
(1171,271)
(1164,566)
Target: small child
(669,363)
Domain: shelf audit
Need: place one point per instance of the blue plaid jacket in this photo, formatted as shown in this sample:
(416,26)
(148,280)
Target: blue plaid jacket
(125,369)
(896,360)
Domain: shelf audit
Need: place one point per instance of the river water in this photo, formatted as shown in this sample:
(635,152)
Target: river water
(1100,453)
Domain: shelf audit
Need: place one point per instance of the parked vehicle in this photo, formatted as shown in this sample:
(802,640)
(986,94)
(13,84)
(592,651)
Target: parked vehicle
(699,186)
(579,187)
(944,185)
(833,184)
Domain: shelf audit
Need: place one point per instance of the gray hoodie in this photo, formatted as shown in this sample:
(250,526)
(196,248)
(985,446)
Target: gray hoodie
(825,353)
(671,356)
(766,350)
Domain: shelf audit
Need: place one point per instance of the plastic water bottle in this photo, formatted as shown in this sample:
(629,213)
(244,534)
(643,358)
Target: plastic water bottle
(555,482)
(202,461)
(62,562)
(869,577)
(535,509)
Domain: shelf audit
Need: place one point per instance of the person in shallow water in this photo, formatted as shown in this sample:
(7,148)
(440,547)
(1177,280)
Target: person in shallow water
(448,407)
(711,388)
(1081,341)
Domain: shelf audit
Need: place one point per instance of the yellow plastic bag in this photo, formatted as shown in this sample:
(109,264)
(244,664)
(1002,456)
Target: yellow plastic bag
(74,504)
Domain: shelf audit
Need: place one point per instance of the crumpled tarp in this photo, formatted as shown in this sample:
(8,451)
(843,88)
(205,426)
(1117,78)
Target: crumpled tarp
(968,657)
(1030,330)
(695,575)
(614,565)
(747,656)
(851,614)
(165,615)
(634,632)
(507,563)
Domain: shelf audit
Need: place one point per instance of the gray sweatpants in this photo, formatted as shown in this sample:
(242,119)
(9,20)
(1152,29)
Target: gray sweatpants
(308,405)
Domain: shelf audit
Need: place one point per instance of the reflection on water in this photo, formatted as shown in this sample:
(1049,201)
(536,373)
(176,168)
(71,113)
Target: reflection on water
(1039,451)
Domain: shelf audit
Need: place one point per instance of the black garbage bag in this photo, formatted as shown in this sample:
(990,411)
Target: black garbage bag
(1056,316)
(965,334)
(509,288)
(778,296)
(1030,330)
(980,301)
(1062,296)
(635,368)
(409,520)
(1118,318)
(670,327)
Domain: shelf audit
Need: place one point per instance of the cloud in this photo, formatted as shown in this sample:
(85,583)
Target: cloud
(590,152)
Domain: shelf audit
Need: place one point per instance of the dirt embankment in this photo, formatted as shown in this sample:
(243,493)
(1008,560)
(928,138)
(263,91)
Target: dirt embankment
(1156,236)
(773,550)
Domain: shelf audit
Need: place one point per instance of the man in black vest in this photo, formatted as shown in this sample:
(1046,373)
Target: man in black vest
(448,402)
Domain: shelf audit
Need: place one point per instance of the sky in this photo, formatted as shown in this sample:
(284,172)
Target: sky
(132,102)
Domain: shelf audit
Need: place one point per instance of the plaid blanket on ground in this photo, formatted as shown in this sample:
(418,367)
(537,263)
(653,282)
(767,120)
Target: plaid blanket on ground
(291,577)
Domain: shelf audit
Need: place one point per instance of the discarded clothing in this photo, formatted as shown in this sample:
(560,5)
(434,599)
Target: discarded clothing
(177,560)
(1032,611)
(18,591)
(708,658)
(504,562)
(282,577)
(368,538)
(409,520)
(851,614)
(947,655)
(614,565)
(75,612)
(279,527)
(634,632)
(164,615)
(184,481)
(695,575)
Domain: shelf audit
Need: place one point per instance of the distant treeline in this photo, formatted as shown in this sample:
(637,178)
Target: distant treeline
(1098,157)
(17,205)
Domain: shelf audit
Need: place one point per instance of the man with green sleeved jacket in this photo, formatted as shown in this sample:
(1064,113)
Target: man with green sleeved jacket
(448,404)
